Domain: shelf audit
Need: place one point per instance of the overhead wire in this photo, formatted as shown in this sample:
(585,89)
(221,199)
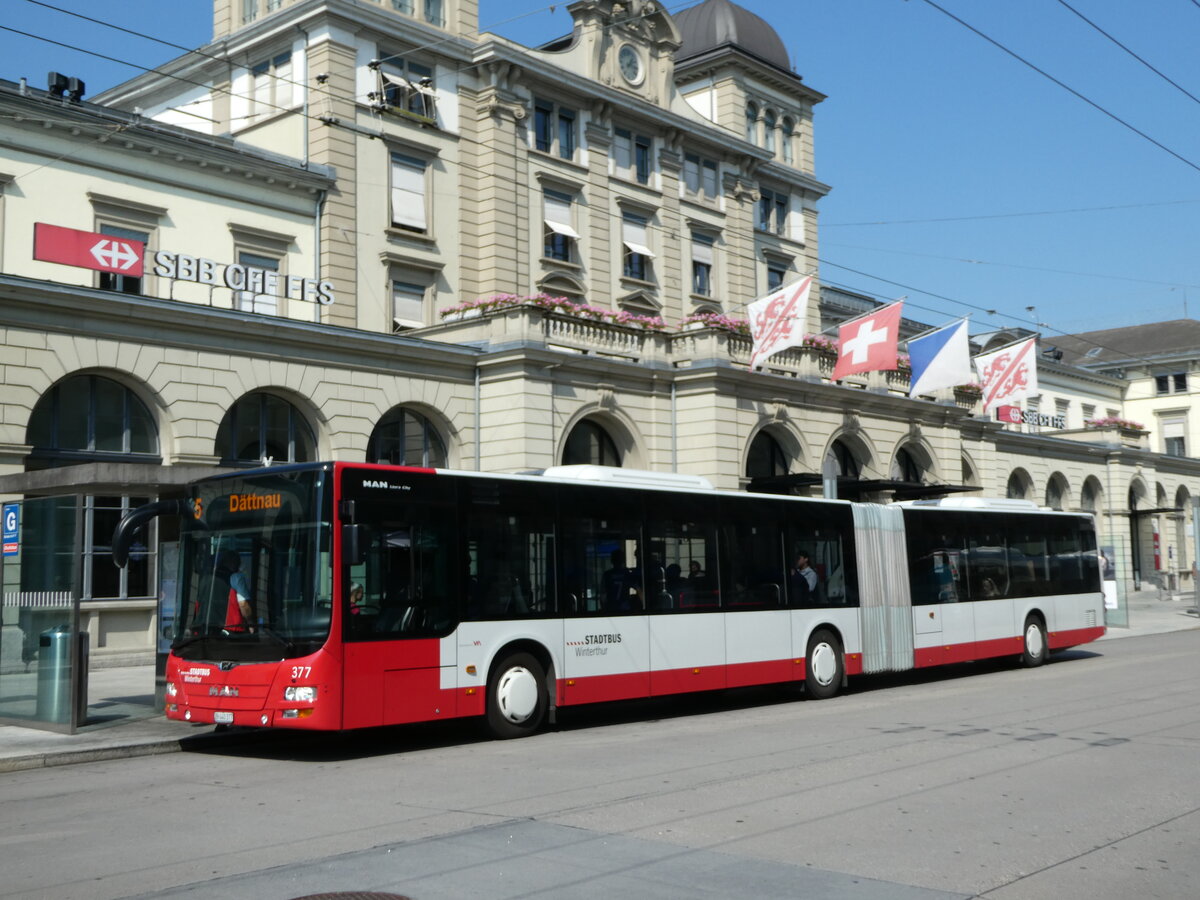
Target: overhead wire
(1064,85)
(1015,215)
(1164,77)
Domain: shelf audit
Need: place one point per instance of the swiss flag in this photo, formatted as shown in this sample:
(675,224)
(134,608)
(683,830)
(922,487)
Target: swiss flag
(868,344)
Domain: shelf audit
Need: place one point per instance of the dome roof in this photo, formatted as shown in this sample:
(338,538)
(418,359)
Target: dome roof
(719,23)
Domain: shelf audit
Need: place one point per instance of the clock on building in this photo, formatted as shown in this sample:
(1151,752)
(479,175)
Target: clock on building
(630,63)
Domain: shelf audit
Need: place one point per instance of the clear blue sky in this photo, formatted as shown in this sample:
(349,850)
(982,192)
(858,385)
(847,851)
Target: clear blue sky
(957,171)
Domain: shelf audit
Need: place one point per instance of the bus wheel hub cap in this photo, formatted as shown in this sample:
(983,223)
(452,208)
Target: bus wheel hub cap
(517,694)
(824,665)
(1033,641)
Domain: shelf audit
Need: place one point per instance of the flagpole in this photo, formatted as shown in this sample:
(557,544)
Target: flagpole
(783,287)
(869,312)
(936,328)
(1037,336)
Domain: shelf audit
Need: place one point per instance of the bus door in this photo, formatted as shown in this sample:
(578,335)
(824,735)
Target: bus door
(399,611)
(992,587)
(687,627)
(943,620)
(602,596)
(754,594)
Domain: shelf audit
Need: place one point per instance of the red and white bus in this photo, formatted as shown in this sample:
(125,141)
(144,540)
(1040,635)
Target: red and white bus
(380,595)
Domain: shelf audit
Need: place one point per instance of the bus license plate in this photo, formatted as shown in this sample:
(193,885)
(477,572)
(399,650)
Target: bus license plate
(223,718)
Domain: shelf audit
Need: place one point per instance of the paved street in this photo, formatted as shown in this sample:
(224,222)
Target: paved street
(1076,780)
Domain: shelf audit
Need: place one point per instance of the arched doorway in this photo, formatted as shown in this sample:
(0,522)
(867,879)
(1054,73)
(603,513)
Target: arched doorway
(1057,492)
(1020,485)
(766,457)
(589,444)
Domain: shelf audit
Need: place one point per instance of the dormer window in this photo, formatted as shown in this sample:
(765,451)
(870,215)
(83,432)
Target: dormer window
(769,131)
(752,122)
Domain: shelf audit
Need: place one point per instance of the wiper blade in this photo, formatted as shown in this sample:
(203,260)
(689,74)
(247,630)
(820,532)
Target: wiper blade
(180,643)
(275,636)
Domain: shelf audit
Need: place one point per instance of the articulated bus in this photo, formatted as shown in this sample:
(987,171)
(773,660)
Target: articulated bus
(339,596)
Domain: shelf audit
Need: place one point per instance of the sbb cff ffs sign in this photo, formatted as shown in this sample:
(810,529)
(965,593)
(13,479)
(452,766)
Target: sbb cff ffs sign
(88,250)
(1010,414)
(1014,415)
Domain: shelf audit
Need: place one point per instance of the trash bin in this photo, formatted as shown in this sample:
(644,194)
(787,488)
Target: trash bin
(55,673)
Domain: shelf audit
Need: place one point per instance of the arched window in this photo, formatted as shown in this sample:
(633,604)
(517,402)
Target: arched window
(89,417)
(589,444)
(752,122)
(1056,492)
(968,473)
(261,427)
(769,122)
(766,458)
(406,438)
(906,467)
(847,463)
(1018,486)
(788,139)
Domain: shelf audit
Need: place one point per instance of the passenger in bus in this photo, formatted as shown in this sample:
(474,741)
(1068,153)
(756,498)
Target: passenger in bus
(654,576)
(357,604)
(674,586)
(618,584)
(699,590)
(238,612)
(802,579)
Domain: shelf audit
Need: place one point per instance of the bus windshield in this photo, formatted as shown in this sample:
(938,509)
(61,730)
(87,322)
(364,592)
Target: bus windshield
(256,579)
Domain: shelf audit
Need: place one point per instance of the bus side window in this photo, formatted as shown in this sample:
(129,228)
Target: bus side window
(509,558)
(683,554)
(600,552)
(753,570)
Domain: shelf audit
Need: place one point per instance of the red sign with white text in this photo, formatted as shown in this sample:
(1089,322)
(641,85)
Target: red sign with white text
(88,250)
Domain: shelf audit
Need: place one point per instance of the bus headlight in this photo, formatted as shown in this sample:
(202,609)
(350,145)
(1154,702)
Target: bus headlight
(300,694)
(171,689)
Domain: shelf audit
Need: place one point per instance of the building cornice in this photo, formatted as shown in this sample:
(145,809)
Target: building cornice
(69,309)
(129,135)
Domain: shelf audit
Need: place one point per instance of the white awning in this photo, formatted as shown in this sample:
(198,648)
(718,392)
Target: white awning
(633,235)
(401,82)
(558,216)
(560,228)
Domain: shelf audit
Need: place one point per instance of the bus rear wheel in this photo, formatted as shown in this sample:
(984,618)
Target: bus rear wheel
(824,667)
(1036,647)
(517,697)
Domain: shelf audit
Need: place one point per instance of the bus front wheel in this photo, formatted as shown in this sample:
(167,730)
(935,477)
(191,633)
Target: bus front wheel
(1036,647)
(824,668)
(517,697)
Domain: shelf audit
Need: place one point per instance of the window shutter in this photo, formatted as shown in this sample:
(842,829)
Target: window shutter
(633,233)
(408,192)
(558,216)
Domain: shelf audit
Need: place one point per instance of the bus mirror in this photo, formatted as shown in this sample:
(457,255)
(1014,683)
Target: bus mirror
(123,534)
(353,546)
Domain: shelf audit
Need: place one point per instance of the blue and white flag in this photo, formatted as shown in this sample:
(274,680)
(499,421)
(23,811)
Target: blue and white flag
(940,359)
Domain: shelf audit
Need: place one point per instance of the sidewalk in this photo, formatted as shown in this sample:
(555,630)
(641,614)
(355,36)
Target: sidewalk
(123,722)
